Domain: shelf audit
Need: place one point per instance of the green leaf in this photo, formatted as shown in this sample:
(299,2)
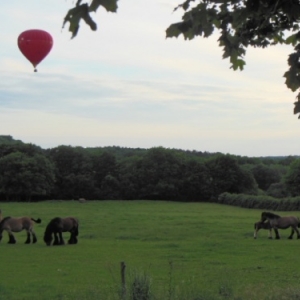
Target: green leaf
(74,17)
(240,64)
(185,28)
(279,39)
(292,39)
(292,80)
(173,31)
(236,61)
(109,5)
(297,108)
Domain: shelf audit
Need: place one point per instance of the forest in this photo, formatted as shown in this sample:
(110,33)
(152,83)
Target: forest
(30,173)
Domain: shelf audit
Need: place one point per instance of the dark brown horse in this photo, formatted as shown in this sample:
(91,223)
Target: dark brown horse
(278,222)
(16,225)
(262,225)
(59,225)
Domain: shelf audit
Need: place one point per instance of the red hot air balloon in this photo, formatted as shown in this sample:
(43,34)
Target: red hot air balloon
(35,44)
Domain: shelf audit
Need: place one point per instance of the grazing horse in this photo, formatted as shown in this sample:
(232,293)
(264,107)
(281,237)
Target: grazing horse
(262,225)
(16,225)
(278,222)
(59,225)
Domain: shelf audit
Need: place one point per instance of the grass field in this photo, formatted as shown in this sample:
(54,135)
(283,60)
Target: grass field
(188,250)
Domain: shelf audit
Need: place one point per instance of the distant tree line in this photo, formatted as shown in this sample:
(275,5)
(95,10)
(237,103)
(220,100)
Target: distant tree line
(30,173)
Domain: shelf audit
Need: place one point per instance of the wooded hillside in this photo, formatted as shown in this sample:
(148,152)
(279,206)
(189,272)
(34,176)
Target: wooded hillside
(30,173)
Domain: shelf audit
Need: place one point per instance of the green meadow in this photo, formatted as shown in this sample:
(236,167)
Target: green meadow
(187,251)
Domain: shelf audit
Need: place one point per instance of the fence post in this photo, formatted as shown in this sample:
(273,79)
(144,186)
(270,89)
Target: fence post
(123,292)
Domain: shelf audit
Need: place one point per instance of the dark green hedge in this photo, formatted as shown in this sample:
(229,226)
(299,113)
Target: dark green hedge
(259,202)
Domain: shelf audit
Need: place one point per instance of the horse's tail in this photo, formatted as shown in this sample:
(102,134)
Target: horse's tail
(37,220)
(2,225)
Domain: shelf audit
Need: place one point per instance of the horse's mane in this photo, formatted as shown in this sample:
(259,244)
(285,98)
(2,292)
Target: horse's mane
(51,225)
(3,221)
(49,230)
(270,215)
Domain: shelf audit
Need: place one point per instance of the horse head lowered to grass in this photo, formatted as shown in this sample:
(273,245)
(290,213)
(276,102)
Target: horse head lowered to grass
(57,226)
(262,225)
(11,225)
(278,222)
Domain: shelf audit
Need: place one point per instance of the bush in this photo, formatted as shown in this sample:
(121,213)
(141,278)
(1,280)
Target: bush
(140,287)
(260,202)
(278,190)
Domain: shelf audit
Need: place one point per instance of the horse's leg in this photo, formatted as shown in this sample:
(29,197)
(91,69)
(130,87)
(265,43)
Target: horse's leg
(298,233)
(61,239)
(34,238)
(270,234)
(73,236)
(292,233)
(28,240)
(12,239)
(277,233)
(56,241)
(75,241)
(255,233)
(76,232)
(71,240)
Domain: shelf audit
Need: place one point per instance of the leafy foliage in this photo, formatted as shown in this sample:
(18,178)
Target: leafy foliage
(227,176)
(24,175)
(82,12)
(278,190)
(292,178)
(73,172)
(265,176)
(244,23)
(64,172)
(260,202)
(241,23)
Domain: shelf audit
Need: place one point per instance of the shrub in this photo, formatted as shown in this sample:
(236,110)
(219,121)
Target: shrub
(260,202)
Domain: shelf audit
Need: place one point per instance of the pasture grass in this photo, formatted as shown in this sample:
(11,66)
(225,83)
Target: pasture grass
(176,251)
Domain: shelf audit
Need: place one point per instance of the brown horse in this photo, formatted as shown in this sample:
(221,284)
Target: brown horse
(262,225)
(278,222)
(16,225)
(59,225)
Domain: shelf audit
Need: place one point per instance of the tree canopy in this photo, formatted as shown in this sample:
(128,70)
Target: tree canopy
(30,173)
(240,24)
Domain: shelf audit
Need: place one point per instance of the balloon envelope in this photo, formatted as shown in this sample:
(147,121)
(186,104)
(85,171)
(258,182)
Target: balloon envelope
(35,44)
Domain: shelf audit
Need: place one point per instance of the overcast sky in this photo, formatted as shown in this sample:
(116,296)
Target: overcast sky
(127,85)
